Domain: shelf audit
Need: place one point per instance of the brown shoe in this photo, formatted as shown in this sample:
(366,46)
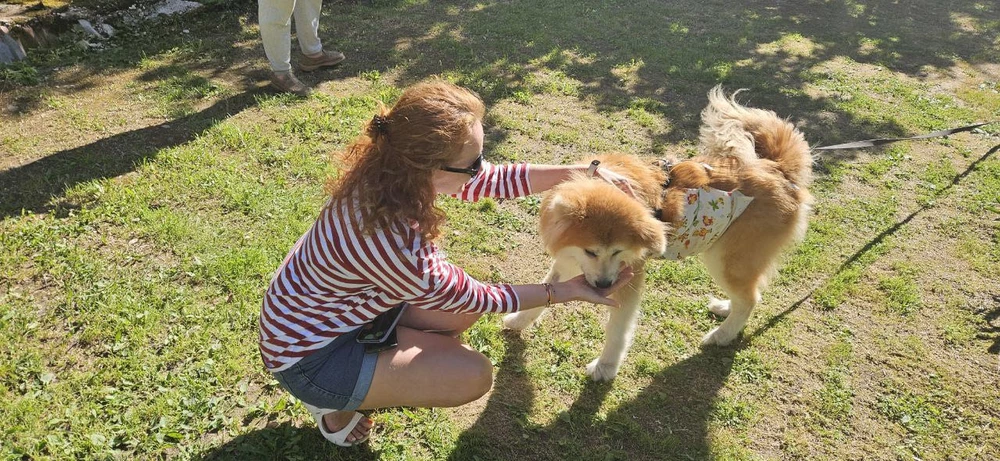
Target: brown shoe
(286,82)
(325,59)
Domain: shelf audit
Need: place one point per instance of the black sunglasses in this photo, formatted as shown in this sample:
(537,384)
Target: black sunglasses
(472,170)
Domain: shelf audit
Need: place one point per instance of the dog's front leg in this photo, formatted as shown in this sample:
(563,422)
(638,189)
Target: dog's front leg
(619,330)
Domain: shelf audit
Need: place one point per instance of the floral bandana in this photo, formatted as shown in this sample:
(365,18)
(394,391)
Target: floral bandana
(707,214)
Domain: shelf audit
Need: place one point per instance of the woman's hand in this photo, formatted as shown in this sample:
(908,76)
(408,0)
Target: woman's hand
(618,180)
(577,289)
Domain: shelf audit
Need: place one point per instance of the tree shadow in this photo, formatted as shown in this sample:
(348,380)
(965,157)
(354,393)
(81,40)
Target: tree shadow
(663,56)
(33,187)
(677,49)
(285,441)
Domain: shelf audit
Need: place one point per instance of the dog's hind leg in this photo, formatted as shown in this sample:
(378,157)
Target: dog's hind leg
(524,319)
(742,284)
(740,306)
(718,306)
(619,330)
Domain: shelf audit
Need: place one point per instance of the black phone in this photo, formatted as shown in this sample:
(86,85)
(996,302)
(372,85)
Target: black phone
(389,343)
(382,327)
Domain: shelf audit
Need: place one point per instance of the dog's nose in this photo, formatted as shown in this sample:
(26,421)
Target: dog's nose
(604,283)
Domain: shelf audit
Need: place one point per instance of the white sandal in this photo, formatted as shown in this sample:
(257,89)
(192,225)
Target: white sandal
(339,437)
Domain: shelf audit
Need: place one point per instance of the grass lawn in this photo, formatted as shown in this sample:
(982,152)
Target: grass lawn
(148,189)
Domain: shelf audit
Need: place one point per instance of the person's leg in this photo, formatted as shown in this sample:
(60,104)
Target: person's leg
(445,323)
(439,371)
(275,19)
(307,14)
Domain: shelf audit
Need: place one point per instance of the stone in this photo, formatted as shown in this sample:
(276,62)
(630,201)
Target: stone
(172,7)
(6,56)
(74,13)
(89,29)
(13,46)
(26,35)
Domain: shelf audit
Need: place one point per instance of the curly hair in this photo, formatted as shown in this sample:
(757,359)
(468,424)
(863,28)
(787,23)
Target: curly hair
(390,166)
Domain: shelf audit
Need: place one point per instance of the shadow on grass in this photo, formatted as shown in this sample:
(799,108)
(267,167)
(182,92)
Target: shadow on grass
(660,56)
(664,56)
(670,416)
(877,240)
(283,442)
(34,186)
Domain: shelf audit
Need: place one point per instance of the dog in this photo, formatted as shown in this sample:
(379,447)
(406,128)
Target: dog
(737,205)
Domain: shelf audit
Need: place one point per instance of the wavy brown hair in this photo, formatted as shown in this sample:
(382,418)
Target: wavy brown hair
(388,169)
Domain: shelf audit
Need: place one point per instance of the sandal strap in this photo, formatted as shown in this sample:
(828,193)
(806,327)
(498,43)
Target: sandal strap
(340,437)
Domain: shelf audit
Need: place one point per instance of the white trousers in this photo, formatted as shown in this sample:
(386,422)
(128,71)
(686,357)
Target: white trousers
(275,18)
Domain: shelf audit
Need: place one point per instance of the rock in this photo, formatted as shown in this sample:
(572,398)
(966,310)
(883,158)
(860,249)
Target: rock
(89,29)
(171,7)
(6,56)
(13,47)
(26,35)
(75,13)
(107,30)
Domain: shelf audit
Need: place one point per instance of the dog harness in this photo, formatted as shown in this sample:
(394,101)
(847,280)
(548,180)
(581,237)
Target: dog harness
(707,214)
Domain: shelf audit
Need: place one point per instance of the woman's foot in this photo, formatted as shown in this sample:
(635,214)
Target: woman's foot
(336,421)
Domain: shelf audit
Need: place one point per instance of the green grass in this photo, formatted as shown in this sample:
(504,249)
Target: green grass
(835,396)
(167,188)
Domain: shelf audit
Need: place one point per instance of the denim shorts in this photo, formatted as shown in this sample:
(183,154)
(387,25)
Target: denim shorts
(336,377)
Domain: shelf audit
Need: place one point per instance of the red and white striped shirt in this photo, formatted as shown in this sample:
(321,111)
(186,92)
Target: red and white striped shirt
(336,279)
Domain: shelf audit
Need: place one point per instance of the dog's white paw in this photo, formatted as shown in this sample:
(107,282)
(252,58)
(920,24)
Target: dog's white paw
(517,321)
(718,306)
(602,371)
(718,337)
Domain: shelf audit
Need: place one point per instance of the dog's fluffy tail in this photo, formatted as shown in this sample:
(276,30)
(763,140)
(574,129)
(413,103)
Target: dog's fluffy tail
(732,130)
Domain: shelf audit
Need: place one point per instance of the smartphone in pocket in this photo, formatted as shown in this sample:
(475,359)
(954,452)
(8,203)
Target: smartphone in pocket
(380,329)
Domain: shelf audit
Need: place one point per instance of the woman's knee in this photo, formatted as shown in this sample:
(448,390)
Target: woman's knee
(476,376)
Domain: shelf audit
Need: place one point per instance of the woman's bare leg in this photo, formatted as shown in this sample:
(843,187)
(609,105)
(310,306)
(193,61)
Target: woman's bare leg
(440,371)
(445,323)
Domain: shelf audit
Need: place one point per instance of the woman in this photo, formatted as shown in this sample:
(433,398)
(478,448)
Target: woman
(372,249)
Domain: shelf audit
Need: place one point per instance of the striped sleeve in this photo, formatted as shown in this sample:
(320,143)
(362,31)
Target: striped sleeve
(447,287)
(408,268)
(497,181)
(421,276)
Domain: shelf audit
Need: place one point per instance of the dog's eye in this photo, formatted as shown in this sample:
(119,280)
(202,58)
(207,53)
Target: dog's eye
(616,253)
(590,253)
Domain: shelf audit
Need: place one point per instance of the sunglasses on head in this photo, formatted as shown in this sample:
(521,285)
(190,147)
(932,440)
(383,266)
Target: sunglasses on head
(472,170)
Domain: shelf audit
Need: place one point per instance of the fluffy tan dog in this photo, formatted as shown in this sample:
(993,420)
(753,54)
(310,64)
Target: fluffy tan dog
(736,206)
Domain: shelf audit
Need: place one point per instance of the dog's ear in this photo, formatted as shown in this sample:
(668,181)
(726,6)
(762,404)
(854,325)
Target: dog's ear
(557,215)
(652,234)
